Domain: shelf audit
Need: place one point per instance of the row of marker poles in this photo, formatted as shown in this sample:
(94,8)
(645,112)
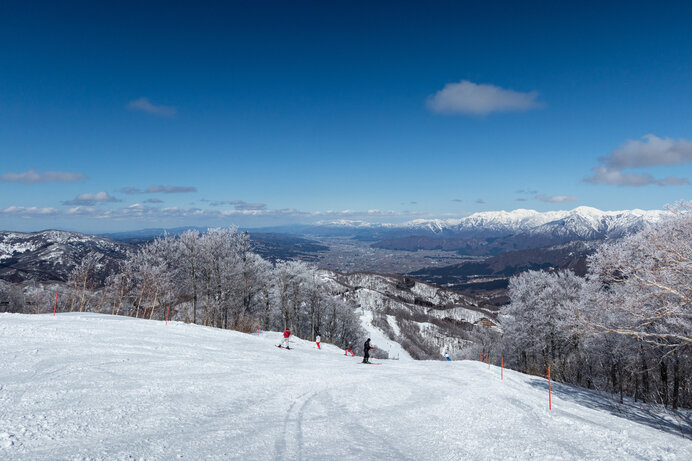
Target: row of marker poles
(502,375)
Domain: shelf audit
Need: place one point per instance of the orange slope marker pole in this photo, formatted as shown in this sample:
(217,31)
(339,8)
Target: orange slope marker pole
(259,325)
(55,306)
(168,309)
(550,402)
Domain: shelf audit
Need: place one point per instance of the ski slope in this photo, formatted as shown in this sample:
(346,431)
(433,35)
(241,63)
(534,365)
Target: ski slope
(88,386)
(381,340)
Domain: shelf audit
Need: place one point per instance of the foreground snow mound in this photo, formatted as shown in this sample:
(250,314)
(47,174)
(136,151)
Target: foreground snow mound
(87,386)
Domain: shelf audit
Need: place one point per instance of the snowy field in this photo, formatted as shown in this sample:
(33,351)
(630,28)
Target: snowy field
(87,386)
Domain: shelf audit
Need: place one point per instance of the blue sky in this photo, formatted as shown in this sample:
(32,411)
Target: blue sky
(129,115)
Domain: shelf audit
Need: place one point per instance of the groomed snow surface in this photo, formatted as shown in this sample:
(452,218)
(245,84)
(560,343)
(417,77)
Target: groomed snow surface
(87,386)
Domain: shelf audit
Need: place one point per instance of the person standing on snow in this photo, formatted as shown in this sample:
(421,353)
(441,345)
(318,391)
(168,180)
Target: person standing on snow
(317,341)
(366,351)
(349,349)
(284,341)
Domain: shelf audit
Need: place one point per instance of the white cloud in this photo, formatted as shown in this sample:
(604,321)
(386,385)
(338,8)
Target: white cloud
(32,176)
(81,211)
(555,198)
(144,105)
(471,98)
(90,199)
(28,211)
(651,151)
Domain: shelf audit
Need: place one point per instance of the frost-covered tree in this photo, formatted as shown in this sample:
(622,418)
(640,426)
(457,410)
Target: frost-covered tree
(81,280)
(539,324)
(190,260)
(641,286)
(640,289)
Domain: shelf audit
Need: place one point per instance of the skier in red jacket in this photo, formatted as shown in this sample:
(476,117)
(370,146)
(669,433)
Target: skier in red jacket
(284,341)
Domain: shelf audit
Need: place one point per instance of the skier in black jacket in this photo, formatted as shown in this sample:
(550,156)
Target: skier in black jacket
(366,351)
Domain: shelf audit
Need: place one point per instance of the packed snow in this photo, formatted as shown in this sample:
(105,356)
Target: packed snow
(88,386)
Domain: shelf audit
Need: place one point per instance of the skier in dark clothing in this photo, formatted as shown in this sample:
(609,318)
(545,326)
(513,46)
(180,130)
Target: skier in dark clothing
(366,351)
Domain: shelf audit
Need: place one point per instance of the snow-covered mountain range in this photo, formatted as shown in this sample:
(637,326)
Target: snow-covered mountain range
(583,221)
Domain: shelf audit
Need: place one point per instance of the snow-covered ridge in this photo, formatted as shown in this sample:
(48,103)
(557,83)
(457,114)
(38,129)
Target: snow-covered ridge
(51,254)
(521,220)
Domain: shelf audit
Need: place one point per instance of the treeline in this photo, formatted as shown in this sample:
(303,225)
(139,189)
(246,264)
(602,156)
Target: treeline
(213,279)
(625,328)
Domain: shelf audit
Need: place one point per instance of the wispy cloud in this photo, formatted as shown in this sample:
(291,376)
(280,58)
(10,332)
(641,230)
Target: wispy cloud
(651,151)
(90,199)
(480,201)
(457,200)
(144,105)
(470,98)
(158,189)
(170,189)
(604,175)
(32,176)
(241,205)
(153,200)
(555,198)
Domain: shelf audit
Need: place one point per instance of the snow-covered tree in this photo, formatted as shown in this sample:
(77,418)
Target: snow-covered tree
(539,324)
(641,285)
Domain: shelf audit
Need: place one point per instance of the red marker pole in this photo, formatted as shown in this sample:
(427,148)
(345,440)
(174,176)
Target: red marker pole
(167,311)
(550,403)
(502,367)
(259,325)
(55,306)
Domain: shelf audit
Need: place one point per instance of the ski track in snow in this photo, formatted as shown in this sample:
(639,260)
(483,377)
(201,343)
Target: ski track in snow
(95,387)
